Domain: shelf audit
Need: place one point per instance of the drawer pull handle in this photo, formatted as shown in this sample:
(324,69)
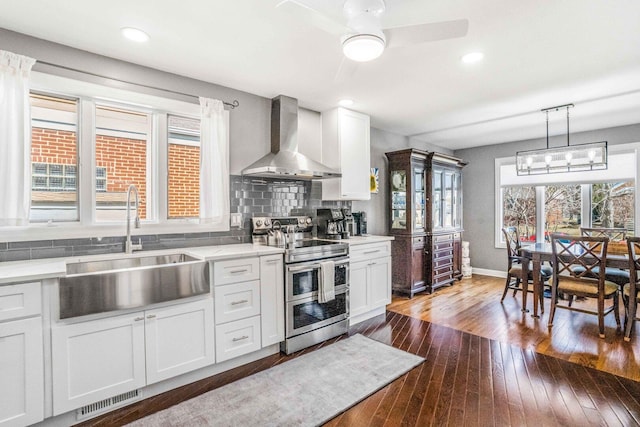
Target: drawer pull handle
(272,261)
(372,263)
(371,252)
(244,270)
(137,319)
(151,316)
(242,301)
(244,337)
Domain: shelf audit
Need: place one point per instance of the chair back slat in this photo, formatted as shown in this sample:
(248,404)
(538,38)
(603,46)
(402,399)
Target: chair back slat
(513,241)
(633,245)
(612,233)
(584,251)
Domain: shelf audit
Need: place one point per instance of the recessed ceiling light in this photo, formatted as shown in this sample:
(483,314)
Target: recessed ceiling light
(472,57)
(345,102)
(135,34)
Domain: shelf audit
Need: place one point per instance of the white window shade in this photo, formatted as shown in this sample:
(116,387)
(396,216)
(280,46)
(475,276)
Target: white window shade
(622,166)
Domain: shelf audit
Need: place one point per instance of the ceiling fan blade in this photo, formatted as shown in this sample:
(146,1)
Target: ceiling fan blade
(346,70)
(430,32)
(318,19)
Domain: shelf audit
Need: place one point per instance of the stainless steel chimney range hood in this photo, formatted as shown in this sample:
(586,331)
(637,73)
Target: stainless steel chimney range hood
(284,160)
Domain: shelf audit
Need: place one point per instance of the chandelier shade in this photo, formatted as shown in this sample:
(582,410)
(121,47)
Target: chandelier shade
(569,158)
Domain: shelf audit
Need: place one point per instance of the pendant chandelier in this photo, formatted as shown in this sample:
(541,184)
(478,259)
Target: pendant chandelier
(569,158)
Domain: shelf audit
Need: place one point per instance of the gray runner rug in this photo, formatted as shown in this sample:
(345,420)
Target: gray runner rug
(306,391)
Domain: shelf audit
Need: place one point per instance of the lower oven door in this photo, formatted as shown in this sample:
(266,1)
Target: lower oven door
(302,278)
(307,314)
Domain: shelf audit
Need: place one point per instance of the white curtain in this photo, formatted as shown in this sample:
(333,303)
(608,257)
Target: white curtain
(15,138)
(214,164)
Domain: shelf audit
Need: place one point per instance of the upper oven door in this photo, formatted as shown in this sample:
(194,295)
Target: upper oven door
(302,278)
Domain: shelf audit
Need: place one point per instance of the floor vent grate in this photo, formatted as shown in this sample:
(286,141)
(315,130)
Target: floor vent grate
(106,405)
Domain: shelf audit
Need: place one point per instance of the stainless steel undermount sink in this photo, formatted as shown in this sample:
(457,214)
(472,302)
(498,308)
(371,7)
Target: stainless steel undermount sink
(131,281)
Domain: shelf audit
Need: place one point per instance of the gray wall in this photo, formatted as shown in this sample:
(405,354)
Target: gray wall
(479,187)
(249,124)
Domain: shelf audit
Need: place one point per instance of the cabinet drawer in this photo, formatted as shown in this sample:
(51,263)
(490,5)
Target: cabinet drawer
(443,238)
(442,262)
(418,240)
(237,338)
(443,253)
(443,245)
(443,274)
(236,301)
(370,251)
(19,300)
(236,270)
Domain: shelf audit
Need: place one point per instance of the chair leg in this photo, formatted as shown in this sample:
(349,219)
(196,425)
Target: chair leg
(506,287)
(601,315)
(630,319)
(570,300)
(554,299)
(616,310)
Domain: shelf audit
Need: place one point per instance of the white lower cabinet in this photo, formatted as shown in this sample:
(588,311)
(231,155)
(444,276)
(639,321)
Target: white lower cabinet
(369,281)
(98,359)
(21,372)
(178,339)
(272,299)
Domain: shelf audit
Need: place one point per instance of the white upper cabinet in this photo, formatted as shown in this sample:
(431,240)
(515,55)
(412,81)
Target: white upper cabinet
(346,148)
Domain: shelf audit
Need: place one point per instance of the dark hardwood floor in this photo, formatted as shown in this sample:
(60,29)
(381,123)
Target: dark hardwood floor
(470,379)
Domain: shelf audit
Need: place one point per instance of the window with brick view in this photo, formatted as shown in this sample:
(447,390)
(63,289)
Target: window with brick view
(54,159)
(122,158)
(183,181)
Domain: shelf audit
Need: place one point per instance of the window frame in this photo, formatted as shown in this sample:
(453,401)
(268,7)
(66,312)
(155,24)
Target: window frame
(631,148)
(89,95)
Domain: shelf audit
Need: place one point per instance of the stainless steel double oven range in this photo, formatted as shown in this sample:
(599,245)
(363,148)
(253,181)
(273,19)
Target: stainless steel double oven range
(307,321)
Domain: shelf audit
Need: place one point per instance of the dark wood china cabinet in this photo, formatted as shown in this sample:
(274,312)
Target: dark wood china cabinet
(425,218)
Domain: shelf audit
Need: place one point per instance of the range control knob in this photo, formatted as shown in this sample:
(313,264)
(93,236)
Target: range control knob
(259,223)
(301,221)
(309,220)
(267,223)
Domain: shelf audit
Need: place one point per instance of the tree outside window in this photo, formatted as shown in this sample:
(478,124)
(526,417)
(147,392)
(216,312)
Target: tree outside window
(519,210)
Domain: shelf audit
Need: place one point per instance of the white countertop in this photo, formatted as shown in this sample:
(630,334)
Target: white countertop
(38,269)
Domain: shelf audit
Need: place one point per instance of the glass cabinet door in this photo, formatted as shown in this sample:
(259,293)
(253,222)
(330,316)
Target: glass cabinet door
(399,199)
(419,199)
(437,198)
(447,203)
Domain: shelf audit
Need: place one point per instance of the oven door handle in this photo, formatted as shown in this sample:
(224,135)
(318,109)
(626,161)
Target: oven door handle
(303,268)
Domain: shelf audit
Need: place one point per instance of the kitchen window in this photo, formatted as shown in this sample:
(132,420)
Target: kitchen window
(89,142)
(562,203)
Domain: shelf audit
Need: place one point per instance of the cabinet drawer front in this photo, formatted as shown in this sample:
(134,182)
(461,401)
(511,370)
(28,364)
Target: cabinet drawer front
(443,273)
(370,251)
(418,240)
(237,301)
(19,300)
(237,338)
(443,253)
(443,245)
(443,238)
(235,270)
(442,262)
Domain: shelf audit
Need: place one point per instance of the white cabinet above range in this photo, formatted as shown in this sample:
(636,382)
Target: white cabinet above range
(345,147)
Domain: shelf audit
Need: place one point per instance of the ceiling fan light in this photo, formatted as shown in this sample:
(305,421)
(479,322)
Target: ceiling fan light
(135,34)
(363,47)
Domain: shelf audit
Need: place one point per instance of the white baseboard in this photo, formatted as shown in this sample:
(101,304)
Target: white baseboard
(487,272)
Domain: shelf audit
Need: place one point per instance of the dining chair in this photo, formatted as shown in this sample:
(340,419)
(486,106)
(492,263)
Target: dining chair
(615,275)
(588,252)
(630,291)
(514,267)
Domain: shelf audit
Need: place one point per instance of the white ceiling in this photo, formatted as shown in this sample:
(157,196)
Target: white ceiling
(537,54)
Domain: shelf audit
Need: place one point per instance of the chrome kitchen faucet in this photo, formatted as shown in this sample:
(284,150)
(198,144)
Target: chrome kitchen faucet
(129,247)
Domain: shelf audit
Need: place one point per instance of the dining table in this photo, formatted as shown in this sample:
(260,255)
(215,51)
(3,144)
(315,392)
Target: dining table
(538,253)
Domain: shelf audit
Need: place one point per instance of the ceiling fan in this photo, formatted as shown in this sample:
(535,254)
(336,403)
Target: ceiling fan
(363,36)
